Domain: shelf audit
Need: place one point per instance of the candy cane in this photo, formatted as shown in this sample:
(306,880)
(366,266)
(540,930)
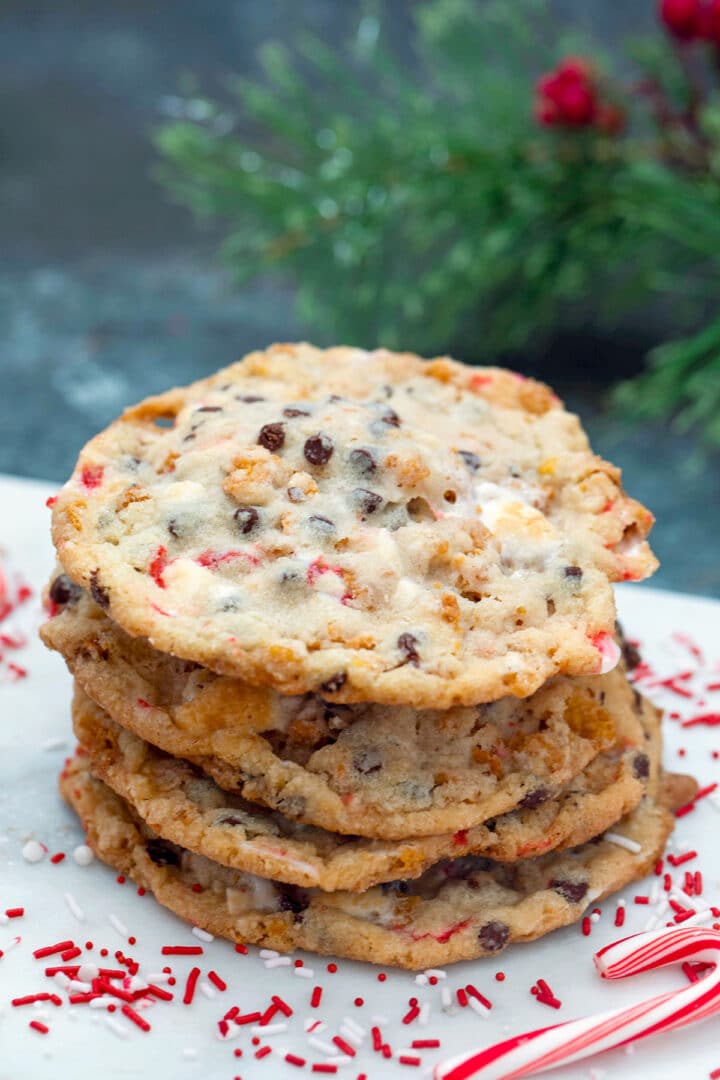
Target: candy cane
(563,1044)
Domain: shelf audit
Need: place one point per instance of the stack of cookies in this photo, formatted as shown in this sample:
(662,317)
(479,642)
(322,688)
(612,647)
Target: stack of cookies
(341,626)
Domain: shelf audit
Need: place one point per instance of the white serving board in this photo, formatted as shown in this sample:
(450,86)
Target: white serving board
(34,711)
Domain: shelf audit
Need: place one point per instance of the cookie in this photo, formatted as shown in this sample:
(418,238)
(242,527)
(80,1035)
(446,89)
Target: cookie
(367,526)
(179,803)
(461,909)
(371,770)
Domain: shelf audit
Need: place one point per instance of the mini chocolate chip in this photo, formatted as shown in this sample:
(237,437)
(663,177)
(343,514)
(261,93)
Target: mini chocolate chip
(400,888)
(272,436)
(536,798)
(390,417)
(247,518)
(230,819)
(162,853)
(99,594)
(366,501)
(630,654)
(407,643)
(210,408)
(362,462)
(573,572)
(250,399)
(318,449)
(368,761)
(322,524)
(190,437)
(494,936)
(572,891)
(637,702)
(175,528)
(641,766)
(334,683)
(293,898)
(292,413)
(64,591)
(471,460)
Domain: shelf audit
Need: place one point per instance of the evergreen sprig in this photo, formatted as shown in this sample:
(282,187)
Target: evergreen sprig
(419,203)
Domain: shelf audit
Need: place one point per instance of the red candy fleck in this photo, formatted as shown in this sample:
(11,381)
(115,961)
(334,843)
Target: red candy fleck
(158,566)
(91,476)
(190,986)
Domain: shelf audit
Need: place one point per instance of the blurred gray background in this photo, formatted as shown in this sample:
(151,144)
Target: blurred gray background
(109,292)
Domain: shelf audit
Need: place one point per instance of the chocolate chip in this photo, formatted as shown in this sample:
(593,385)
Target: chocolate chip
(293,898)
(292,413)
(64,591)
(247,518)
(471,460)
(494,936)
(630,654)
(368,761)
(362,462)
(318,449)
(334,683)
(391,418)
(572,891)
(637,702)
(322,524)
(366,501)
(250,399)
(573,572)
(641,766)
(536,798)
(209,408)
(99,594)
(175,528)
(272,436)
(230,819)
(162,853)
(399,888)
(407,643)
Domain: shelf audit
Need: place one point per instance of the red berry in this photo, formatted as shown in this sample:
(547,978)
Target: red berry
(577,104)
(709,22)
(682,18)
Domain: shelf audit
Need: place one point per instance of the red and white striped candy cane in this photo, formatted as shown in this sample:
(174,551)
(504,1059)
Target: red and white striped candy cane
(562,1044)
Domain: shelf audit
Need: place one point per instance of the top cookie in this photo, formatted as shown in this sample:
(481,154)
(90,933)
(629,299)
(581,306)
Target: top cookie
(369,526)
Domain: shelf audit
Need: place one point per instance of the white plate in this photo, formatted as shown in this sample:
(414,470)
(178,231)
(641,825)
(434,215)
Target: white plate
(80,1044)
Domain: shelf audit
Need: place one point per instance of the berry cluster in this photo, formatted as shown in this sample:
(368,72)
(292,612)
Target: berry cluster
(692,20)
(569,97)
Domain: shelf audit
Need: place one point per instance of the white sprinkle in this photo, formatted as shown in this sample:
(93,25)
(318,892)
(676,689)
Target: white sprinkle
(379,1020)
(699,919)
(202,934)
(159,977)
(103,1002)
(74,907)
(134,983)
(478,1007)
(662,908)
(351,1036)
(189,1054)
(77,986)
(206,989)
(12,943)
(118,924)
(88,972)
(446,999)
(421,980)
(354,1026)
(424,1015)
(83,855)
(268,1029)
(714,801)
(278,961)
(233,1032)
(62,980)
(4,920)
(58,743)
(624,842)
(321,1045)
(340,1059)
(304,973)
(34,852)
(268,954)
(595,917)
(654,923)
(121,1030)
(436,973)
(621,902)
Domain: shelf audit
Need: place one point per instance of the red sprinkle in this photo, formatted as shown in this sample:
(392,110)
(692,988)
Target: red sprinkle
(248,1018)
(37,1026)
(407,1059)
(137,1019)
(678,860)
(499,976)
(243,949)
(281,1005)
(642,899)
(344,1046)
(217,981)
(708,719)
(190,986)
(159,992)
(293,1059)
(376,1038)
(413,1012)
(30,999)
(262,1052)
(620,916)
(182,950)
(58,857)
(15,912)
(474,992)
(321,1067)
(587,926)
(316,997)
(425,1044)
(50,950)
(70,954)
